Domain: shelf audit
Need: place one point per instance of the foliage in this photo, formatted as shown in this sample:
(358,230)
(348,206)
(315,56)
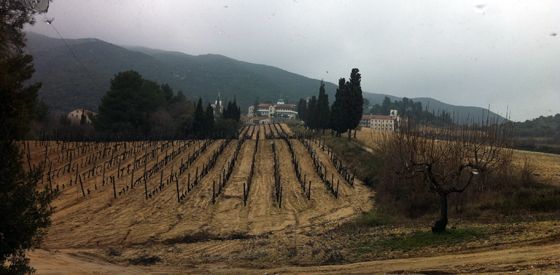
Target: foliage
(347,108)
(365,165)
(312,117)
(412,110)
(199,121)
(196,75)
(127,106)
(542,126)
(339,107)
(539,134)
(355,101)
(209,119)
(134,105)
(232,111)
(422,239)
(302,109)
(372,219)
(322,112)
(25,210)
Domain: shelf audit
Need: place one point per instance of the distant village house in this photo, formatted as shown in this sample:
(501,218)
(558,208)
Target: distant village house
(278,110)
(381,122)
(75,116)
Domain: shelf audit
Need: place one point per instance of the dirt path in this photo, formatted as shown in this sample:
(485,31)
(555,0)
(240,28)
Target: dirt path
(528,259)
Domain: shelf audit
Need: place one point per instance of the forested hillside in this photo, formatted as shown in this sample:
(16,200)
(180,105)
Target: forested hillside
(78,75)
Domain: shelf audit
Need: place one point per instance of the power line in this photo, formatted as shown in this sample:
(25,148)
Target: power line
(74,55)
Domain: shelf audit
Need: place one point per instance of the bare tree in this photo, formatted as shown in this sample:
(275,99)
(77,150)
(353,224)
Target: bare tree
(448,160)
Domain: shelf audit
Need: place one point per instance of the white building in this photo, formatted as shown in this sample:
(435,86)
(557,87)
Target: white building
(381,122)
(279,110)
(75,117)
(218,106)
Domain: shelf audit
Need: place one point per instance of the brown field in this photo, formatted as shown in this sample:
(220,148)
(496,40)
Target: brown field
(95,232)
(546,166)
(98,220)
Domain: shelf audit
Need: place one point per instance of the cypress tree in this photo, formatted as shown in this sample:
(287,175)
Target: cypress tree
(209,119)
(356,101)
(199,118)
(338,121)
(312,114)
(302,109)
(236,110)
(323,112)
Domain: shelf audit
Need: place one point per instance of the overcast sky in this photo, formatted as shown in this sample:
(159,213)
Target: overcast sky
(480,53)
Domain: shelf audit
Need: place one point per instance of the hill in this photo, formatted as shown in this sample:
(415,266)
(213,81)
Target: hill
(69,84)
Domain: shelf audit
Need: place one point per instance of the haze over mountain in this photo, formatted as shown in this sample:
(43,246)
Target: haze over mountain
(78,76)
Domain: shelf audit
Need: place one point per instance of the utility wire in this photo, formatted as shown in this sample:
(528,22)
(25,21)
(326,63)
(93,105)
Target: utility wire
(87,72)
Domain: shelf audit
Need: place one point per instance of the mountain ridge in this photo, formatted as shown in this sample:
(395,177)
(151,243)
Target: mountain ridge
(86,78)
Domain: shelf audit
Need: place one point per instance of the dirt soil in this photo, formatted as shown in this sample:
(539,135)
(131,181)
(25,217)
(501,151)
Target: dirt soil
(132,234)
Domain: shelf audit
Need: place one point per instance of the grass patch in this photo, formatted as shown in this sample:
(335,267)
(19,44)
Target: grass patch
(204,236)
(537,198)
(365,165)
(422,239)
(372,219)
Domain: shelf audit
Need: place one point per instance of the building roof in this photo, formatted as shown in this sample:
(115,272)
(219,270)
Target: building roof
(286,106)
(263,105)
(377,117)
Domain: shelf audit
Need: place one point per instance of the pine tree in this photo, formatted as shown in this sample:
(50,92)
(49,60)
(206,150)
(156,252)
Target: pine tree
(24,209)
(323,112)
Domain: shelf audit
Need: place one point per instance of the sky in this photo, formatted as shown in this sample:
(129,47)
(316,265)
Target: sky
(502,54)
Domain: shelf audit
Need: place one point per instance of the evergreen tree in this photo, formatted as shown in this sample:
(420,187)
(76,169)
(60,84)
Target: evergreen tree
(167,92)
(339,115)
(386,106)
(199,120)
(312,116)
(24,209)
(356,100)
(180,97)
(129,104)
(302,109)
(236,110)
(323,112)
(209,120)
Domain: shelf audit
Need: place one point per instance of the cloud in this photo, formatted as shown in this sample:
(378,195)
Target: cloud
(500,53)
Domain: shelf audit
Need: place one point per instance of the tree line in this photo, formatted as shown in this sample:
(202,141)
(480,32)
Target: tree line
(345,113)
(134,105)
(412,110)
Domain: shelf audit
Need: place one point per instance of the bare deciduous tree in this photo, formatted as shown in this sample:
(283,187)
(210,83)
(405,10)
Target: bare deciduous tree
(448,160)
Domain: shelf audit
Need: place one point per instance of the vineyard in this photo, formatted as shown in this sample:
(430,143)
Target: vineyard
(136,192)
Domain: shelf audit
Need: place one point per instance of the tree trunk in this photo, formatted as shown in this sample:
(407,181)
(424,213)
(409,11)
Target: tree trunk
(441,224)
(349,133)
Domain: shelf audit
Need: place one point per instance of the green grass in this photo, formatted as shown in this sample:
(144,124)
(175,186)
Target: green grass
(372,219)
(421,239)
(537,198)
(365,165)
